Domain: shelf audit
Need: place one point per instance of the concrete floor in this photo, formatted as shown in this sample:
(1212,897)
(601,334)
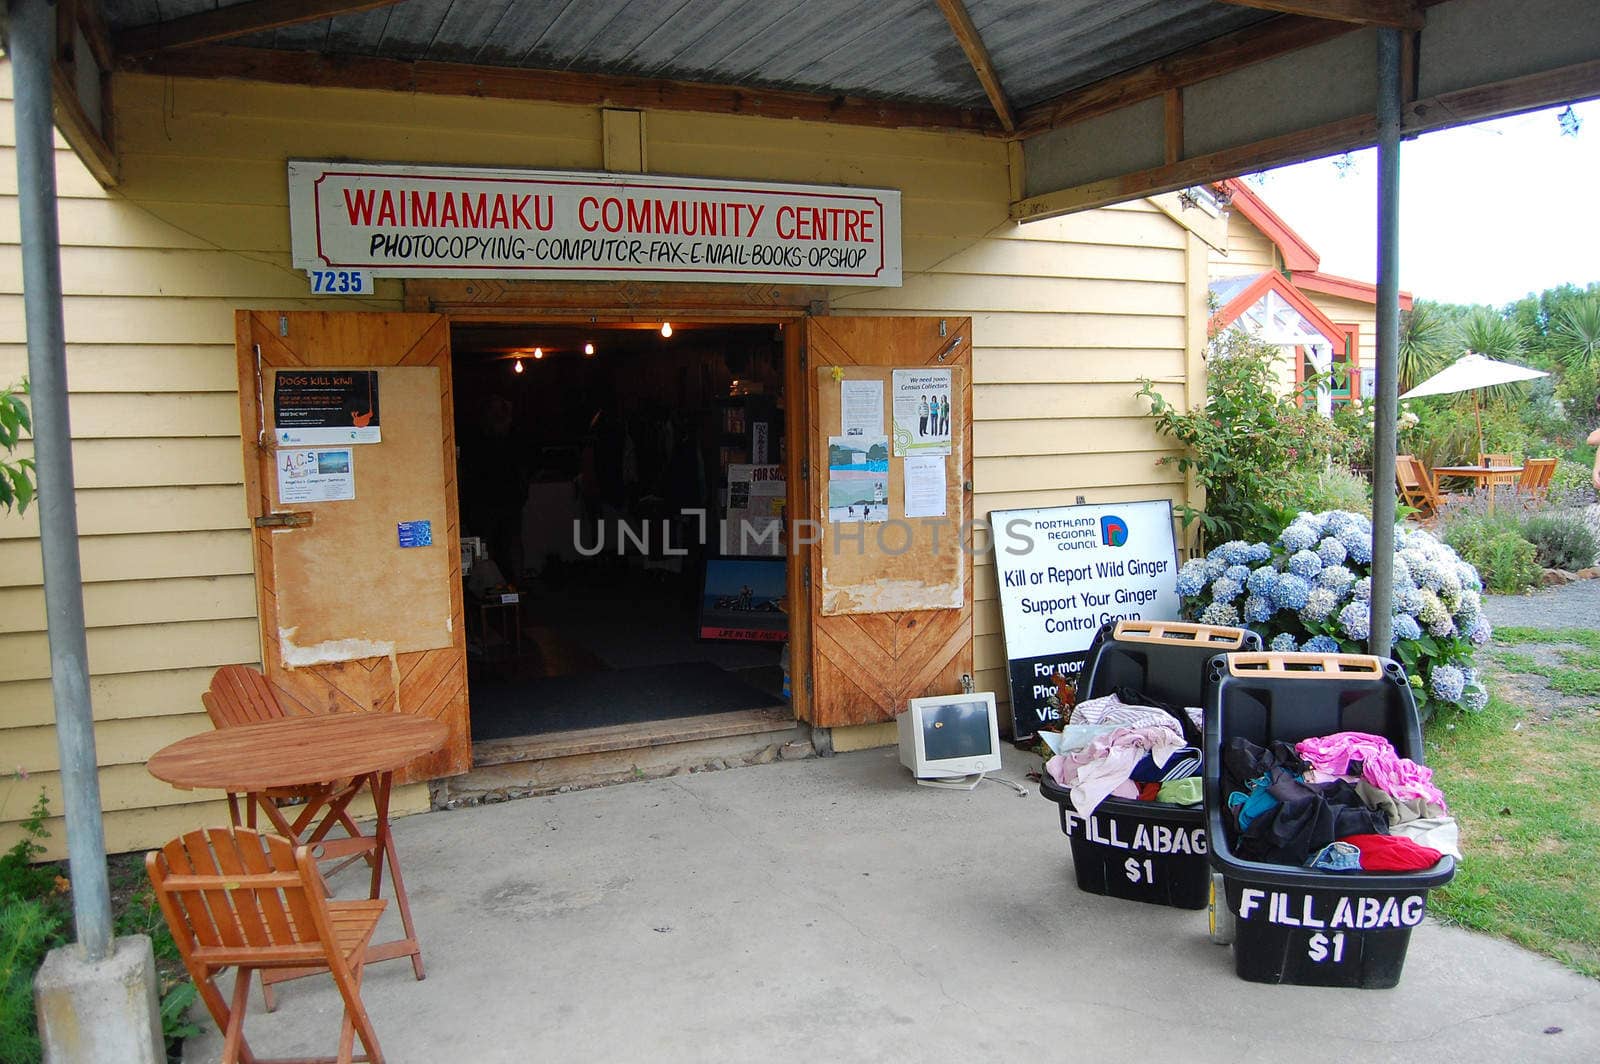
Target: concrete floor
(831,910)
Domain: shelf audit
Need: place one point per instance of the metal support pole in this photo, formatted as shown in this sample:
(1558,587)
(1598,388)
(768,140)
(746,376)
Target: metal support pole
(32,34)
(1388,383)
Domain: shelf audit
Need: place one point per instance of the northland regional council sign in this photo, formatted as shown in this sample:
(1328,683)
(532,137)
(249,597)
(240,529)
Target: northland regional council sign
(431,221)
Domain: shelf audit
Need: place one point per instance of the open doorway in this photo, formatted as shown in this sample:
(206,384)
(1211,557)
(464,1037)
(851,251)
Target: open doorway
(621,498)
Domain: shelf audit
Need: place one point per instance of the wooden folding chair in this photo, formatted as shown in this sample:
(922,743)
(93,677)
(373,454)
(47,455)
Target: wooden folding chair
(1498,460)
(1534,484)
(236,898)
(241,695)
(1416,487)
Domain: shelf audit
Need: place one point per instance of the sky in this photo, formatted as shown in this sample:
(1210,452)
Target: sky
(1488,212)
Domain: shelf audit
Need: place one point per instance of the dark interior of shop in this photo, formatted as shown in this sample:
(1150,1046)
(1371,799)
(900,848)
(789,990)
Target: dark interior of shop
(596,593)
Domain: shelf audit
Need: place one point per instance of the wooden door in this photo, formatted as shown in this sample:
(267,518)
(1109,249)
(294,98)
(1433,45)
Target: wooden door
(890,616)
(357,615)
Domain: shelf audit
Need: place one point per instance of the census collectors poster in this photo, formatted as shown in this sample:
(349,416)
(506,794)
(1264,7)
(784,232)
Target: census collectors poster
(1063,572)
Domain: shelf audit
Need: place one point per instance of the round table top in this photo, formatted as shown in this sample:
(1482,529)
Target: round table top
(295,751)
(1472,470)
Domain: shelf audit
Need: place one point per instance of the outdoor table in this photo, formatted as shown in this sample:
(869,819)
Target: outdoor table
(1482,475)
(365,748)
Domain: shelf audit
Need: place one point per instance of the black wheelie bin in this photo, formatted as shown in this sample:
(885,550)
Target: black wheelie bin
(1293,924)
(1146,851)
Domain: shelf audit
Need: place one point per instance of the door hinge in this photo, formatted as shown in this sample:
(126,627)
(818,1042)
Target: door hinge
(284,520)
(802,358)
(805,576)
(811,688)
(805,469)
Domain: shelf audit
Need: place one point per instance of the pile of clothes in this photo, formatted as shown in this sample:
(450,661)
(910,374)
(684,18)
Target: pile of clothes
(1129,745)
(1341,802)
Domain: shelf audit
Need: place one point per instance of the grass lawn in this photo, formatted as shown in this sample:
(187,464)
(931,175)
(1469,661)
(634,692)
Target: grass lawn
(1524,781)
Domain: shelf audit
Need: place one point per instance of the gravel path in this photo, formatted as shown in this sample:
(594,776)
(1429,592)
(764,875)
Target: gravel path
(1575,605)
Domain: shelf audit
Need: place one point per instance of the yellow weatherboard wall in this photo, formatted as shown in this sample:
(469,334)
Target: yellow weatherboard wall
(1067,315)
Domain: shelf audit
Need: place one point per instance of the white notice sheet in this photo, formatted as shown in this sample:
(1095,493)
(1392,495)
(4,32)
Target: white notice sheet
(861,408)
(316,476)
(925,485)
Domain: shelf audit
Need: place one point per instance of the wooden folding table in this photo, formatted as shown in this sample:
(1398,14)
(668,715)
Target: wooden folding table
(365,748)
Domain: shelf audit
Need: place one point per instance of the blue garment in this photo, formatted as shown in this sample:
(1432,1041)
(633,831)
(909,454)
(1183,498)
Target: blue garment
(1258,802)
(1336,857)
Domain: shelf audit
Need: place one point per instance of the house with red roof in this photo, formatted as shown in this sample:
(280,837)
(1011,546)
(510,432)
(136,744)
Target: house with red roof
(1267,279)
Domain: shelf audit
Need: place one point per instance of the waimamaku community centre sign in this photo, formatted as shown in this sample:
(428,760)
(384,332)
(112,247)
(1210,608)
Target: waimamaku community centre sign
(427,221)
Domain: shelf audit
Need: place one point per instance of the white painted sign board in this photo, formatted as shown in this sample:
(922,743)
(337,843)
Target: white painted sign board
(1063,572)
(435,221)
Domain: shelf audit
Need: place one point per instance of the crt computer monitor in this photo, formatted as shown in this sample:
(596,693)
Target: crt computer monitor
(951,740)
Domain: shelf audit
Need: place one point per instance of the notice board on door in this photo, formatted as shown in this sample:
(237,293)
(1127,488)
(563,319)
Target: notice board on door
(892,534)
(369,576)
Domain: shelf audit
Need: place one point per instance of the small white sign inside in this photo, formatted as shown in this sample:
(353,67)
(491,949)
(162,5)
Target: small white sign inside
(316,476)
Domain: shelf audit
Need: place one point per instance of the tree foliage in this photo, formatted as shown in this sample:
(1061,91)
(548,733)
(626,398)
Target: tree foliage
(16,474)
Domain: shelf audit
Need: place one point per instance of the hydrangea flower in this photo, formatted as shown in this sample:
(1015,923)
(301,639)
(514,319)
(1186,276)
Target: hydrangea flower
(1298,537)
(1305,564)
(1290,592)
(1362,591)
(1258,608)
(1234,552)
(1319,604)
(1331,551)
(1356,620)
(1336,578)
(1409,600)
(1222,613)
(1357,545)
(1192,578)
(1406,627)
(1262,580)
(1238,574)
(1259,552)
(1433,611)
(1225,590)
(1470,603)
(1215,567)
(1446,683)
(1321,644)
(1283,642)
(1468,576)
(1481,632)
(1474,699)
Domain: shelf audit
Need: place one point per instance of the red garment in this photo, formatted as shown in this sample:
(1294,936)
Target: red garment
(1392,853)
(1148,791)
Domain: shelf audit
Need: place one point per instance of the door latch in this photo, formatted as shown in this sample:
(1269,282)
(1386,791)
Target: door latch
(284,520)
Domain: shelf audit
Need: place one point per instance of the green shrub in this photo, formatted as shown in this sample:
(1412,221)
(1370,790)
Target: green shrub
(1505,561)
(27,932)
(1572,480)
(1561,541)
(1335,488)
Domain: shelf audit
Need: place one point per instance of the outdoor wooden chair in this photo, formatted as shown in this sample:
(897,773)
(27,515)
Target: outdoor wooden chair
(1498,460)
(241,695)
(236,898)
(1416,487)
(1534,484)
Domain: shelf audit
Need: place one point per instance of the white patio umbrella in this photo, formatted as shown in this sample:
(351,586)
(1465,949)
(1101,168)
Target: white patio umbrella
(1473,372)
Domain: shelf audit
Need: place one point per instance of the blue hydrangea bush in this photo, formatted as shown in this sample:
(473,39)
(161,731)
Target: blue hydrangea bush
(1311,589)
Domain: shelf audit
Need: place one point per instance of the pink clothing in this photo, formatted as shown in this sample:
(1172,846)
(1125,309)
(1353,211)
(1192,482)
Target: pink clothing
(1381,765)
(1096,771)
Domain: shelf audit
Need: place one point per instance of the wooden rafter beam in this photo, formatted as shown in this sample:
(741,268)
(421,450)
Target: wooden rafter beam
(1580,81)
(554,86)
(1233,51)
(955,12)
(223,23)
(1396,14)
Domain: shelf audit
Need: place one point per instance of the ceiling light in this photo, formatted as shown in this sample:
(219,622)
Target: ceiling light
(588,349)
(518,366)
(538,352)
(666,328)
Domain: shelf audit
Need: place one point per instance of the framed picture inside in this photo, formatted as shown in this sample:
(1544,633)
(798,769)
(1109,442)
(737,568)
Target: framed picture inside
(745,599)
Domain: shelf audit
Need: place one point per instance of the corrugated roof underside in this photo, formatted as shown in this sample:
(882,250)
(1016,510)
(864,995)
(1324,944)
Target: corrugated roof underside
(888,49)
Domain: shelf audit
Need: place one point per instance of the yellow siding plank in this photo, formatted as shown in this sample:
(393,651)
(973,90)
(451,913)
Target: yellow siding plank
(152,557)
(117,742)
(962,293)
(152,463)
(112,605)
(1078,435)
(1002,402)
(114,696)
(1021,365)
(142,368)
(26,656)
(1032,472)
(124,511)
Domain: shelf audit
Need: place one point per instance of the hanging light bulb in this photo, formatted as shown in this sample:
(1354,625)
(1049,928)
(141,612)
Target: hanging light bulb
(588,349)
(666,328)
(518,366)
(538,352)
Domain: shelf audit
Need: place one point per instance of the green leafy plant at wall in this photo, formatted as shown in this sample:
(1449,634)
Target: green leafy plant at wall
(16,474)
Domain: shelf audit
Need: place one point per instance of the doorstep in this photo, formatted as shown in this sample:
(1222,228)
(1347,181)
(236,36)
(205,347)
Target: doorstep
(561,761)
